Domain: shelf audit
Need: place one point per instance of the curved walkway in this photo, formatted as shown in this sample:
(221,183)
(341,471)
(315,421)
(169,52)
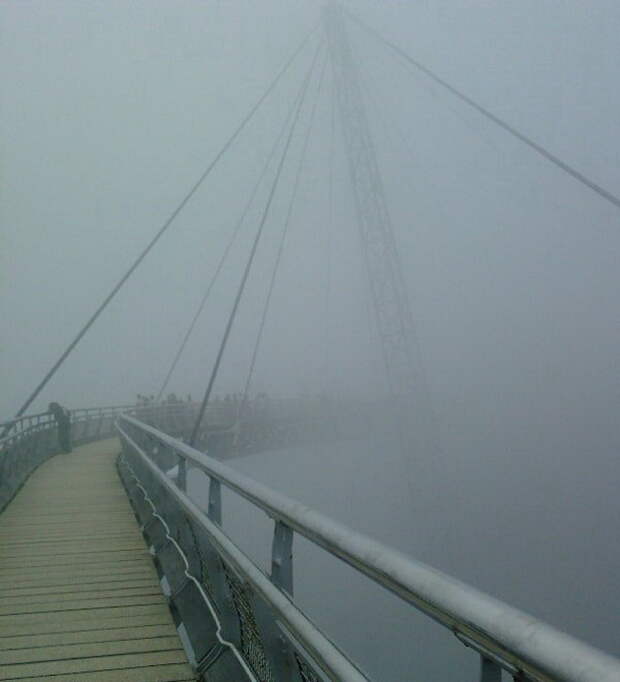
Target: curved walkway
(79,596)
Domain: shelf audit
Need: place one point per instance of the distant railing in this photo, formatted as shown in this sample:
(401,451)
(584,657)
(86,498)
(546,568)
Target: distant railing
(240,625)
(29,440)
(244,625)
(96,423)
(32,439)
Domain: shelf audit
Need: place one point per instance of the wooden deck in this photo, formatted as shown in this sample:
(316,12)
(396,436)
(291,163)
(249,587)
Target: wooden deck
(79,597)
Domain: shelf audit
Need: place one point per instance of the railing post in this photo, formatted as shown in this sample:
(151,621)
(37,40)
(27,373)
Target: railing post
(282,557)
(100,424)
(214,511)
(489,670)
(182,477)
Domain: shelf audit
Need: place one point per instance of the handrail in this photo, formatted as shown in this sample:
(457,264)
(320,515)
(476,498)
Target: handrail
(332,659)
(7,426)
(104,408)
(21,426)
(27,441)
(502,634)
(25,416)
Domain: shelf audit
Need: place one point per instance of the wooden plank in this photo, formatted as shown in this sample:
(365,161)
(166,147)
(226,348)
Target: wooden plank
(19,642)
(81,665)
(69,531)
(91,595)
(71,587)
(69,523)
(116,619)
(16,576)
(160,673)
(97,565)
(59,607)
(89,557)
(81,549)
(90,650)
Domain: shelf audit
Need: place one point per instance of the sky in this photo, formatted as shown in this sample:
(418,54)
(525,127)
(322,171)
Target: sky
(111,110)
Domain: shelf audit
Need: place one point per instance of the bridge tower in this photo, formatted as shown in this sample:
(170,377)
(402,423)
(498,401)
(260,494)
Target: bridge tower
(388,291)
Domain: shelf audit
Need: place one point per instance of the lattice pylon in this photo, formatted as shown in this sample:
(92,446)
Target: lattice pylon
(390,300)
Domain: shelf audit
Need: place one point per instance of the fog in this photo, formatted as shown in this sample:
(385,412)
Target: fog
(112,110)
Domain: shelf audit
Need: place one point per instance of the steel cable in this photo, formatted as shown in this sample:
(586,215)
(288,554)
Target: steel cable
(278,260)
(164,227)
(301,98)
(224,257)
(328,236)
(545,153)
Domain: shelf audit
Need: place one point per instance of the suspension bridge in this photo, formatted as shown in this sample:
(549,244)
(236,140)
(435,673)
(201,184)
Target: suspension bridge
(112,569)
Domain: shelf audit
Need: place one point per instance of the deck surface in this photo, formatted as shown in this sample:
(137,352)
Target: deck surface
(79,596)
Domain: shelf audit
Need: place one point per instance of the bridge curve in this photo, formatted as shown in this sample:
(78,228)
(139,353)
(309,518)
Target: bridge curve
(80,598)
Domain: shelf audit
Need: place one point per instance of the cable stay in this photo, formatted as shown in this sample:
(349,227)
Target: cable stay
(249,116)
(539,149)
(328,236)
(300,100)
(282,243)
(227,250)
(371,323)
(393,130)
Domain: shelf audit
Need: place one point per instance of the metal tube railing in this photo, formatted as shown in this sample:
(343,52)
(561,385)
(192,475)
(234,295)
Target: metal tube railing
(29,440)
(503,636)
(332,660)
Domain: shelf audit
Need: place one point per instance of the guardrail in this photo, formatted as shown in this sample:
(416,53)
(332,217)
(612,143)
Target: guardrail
(243,624)
(32,439)
(95,423)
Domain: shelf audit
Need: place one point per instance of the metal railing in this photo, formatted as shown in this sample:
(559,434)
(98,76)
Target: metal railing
(243,624)
(95,423)
(32,439)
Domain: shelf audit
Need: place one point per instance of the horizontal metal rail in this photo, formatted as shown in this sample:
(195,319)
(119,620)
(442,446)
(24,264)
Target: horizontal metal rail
(16,427)
(24,417)
(505,637)
(331,659)
(31,439)
(20,425)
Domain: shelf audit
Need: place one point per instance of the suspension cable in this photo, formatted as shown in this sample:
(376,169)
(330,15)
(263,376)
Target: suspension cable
(224,257)
(328,239)
(164,227)
(552,158)
(301,98)
(278,260)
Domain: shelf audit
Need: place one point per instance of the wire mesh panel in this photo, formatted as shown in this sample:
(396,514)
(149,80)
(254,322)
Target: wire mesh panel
(197,565)
(79,431)
(256,631)
(30,440)
(29,443)
(305,672)
(252,646)
(178,557)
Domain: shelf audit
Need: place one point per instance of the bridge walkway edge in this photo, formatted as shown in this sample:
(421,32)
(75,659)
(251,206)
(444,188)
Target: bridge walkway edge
(79,596)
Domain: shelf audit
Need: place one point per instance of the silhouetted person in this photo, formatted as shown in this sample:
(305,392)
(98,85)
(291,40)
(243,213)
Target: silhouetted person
(63,420)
